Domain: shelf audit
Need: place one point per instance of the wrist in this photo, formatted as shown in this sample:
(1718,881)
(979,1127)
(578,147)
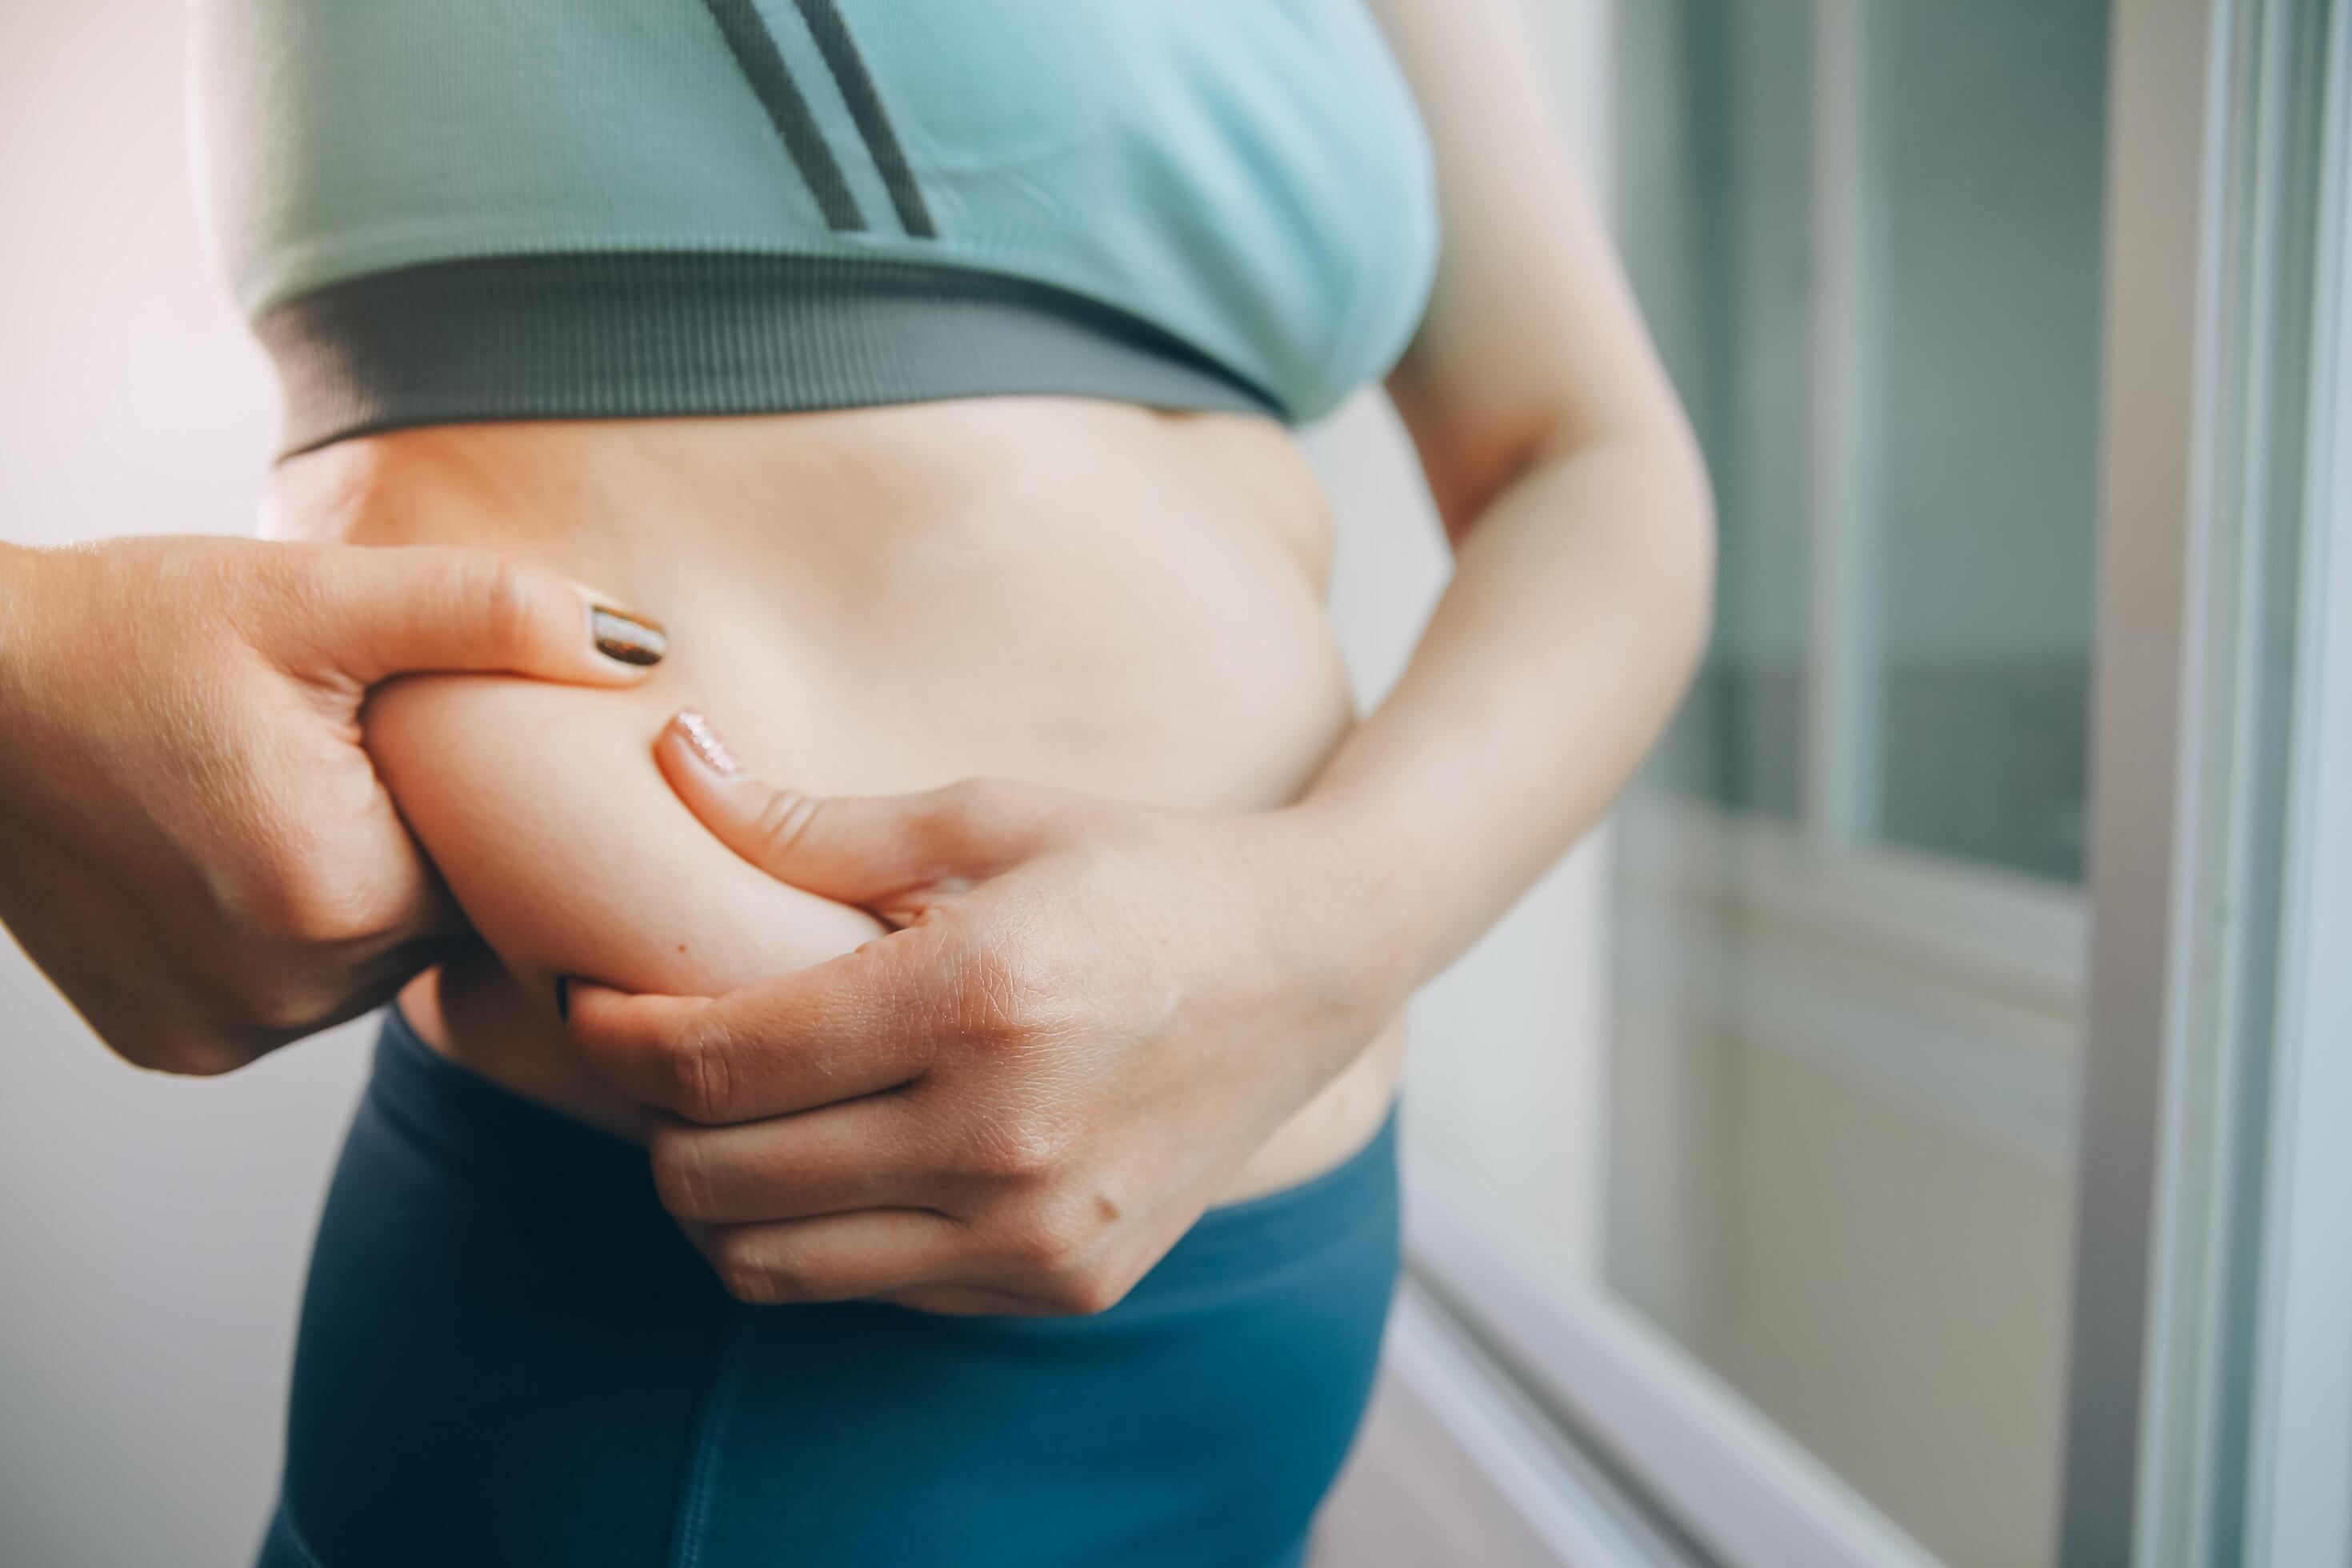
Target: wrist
(17,596)
(1380,936)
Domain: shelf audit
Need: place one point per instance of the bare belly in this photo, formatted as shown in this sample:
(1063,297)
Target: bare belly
(870,601)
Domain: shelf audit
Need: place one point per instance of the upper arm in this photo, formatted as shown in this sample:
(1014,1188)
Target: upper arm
(1532,344)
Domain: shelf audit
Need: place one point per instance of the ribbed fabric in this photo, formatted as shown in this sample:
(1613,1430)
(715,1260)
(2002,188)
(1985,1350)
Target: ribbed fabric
(1235,197)
(638,336)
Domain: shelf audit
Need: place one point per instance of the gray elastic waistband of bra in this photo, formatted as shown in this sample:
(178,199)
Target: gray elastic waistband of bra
(648,334)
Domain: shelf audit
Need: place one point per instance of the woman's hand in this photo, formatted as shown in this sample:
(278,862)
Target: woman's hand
(193,845)
(1086,1017)
(1093,1012)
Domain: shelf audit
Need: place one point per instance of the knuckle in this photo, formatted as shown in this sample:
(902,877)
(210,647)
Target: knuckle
(970,799)
(1049,1240)
(310,912)
(269,1003)
(508,600)
(1024,1147)
(1011,996)
(1088,1292)
(984,808)
(183,1053)
(700,1079)
(783,821)
(958,819)
(501,598)
(1064,1254)
(278,890)
(1043,1251)
(298,885)
(681,1171)
(750,1273)
(750,1281)
(281,1011)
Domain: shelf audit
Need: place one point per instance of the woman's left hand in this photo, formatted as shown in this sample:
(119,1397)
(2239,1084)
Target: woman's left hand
(1087,1017)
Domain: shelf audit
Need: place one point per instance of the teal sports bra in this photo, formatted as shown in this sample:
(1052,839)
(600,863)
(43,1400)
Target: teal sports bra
(438,211)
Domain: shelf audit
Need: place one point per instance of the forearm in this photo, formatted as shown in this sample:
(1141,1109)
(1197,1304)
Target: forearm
(1577,612)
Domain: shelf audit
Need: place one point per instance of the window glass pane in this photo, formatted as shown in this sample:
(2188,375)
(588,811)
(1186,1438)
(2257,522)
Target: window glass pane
(1713,176)
(1839,1166)
(1868,238)
(1980,185)
(1820,1129)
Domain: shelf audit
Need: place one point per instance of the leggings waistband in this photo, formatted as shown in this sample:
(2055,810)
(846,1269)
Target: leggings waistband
(509,1353)
(562,1167)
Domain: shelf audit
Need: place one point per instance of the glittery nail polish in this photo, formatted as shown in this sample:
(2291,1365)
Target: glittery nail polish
(706,741)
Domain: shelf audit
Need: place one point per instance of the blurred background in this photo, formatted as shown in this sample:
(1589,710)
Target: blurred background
(1744,1155)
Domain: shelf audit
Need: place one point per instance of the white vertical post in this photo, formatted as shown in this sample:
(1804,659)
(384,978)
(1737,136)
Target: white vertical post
(2163,171)
(2299,1482)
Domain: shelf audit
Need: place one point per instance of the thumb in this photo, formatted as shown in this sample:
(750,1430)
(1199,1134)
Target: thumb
(387,611)
(868,850)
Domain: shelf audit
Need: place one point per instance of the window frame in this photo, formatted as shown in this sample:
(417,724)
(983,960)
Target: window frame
(2219,492)
(2226,151)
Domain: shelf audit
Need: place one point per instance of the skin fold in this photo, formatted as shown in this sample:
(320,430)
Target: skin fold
(1159,963)
(193,845)
(870,602)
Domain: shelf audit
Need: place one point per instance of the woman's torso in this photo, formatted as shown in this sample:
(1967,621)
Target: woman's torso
(502,226)
(1083,592)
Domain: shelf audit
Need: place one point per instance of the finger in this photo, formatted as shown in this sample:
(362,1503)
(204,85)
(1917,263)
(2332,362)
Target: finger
(392,611)
(852,1026)
(839,1258)
(838,1159)
(871,851)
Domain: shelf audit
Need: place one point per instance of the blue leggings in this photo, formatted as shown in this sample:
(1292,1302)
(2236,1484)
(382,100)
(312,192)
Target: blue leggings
(508,1355)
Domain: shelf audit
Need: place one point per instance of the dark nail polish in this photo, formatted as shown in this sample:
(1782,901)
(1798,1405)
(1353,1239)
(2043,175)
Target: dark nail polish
(626,638)
(563,997)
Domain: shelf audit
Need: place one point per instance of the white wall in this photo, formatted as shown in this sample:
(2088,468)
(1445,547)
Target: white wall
(154,1231)
(151,1230)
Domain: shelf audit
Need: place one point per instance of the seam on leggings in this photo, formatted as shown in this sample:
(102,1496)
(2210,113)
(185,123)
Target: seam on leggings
(692,1524)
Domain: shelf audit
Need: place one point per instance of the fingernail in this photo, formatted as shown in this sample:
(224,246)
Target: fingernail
(627,638)
(706,743)
(563,997)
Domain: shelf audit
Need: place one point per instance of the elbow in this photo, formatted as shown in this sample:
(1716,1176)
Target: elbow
(1690,524)
(1687,518)
(1640,479)
(1665,525)
(1665,537)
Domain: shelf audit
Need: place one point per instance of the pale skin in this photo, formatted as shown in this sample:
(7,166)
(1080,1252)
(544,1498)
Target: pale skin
(194,845)
(1088,904)
(1090,1014)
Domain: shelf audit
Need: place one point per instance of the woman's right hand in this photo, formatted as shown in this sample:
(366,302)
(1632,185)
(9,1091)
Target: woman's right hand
(194,845)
